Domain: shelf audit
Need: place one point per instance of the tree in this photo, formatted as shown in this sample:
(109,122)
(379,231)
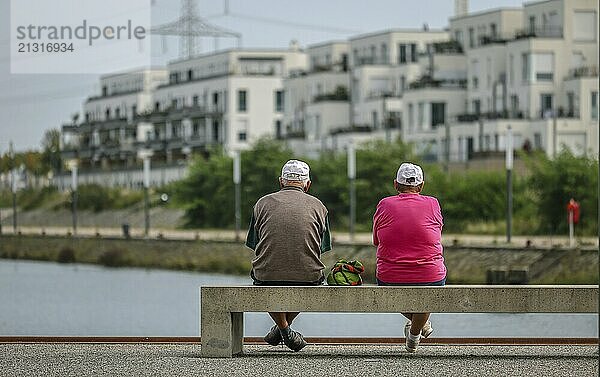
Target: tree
(556,181)
(51,158)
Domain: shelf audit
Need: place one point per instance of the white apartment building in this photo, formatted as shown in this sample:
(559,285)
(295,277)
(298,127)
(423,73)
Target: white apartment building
(455,93)
(452,93)
(536,75)
(229,98)
(316,99)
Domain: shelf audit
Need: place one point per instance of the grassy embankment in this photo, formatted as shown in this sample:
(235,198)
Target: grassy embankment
(466,266)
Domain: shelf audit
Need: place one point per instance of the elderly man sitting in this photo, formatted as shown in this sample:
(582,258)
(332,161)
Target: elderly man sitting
(288,232)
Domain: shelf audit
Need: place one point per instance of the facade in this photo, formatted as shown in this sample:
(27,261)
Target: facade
(452,93)
(227,99)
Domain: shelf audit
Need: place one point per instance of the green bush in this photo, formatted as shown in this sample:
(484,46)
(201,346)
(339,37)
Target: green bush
(66,255)
(113,258)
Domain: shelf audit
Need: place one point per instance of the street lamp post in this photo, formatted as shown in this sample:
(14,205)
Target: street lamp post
(13,185)
(73,167)
(352,177)
(509,193)
(237,179)
(145,155)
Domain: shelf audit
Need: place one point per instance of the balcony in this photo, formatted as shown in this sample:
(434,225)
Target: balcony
(542,32)
(363,128)
(448,48)
(429,82)
(586,71)
(474,117)
(296,134)
(494,39)
(340,94)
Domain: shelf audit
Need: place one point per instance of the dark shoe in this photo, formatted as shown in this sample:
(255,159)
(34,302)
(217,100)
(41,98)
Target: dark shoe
(295,341)
(274,336)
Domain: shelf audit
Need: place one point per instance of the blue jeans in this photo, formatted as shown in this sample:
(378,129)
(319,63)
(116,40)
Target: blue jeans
(435,283)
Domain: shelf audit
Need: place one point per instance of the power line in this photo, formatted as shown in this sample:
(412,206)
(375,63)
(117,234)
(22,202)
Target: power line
(294,24)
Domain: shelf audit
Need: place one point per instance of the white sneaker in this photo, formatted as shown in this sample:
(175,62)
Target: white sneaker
(425,331)
(411,345)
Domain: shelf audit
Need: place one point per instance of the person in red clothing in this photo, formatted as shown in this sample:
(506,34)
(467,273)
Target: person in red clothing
(407,230)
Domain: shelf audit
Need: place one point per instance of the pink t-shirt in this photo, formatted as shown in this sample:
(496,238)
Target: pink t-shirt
(407,230)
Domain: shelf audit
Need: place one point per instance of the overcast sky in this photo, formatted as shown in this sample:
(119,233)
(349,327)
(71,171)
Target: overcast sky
(32,104)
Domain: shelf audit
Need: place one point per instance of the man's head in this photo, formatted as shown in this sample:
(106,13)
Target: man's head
(409,178)
(295,173)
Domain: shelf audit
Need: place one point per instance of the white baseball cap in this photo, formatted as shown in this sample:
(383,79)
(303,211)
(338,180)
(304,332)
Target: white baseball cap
(409,174)
(295,170)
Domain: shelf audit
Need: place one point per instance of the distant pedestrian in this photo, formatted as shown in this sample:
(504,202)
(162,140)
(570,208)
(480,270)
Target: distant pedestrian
(407,230)
(288,232)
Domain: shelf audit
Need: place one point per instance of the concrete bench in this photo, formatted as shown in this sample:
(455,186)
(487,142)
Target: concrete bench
(222,307)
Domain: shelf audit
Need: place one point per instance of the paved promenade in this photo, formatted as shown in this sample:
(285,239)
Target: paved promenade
(341,237)
(315,360)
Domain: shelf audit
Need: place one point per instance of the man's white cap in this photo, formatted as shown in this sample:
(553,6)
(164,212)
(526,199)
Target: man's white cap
(295,170)
(409,174)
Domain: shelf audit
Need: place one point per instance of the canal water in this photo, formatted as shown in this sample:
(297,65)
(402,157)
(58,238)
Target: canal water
(45,298)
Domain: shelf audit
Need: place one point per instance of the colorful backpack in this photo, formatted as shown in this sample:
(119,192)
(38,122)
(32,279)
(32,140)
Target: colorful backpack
(345,272)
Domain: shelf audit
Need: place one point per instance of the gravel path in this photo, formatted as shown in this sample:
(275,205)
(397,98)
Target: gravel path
(314,360)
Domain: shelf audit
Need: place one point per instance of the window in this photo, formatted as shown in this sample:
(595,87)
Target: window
(190,75)
(476,105)
(525,67)
(488,72)
(537,140)
(511,69)
(215,130)
(532,24)
(471,37)
(279,100)
(384,54)
(278,131)
(420,115)
(411,119)
(403,83)
(373,54)
(493,30)
(195,101)
(514,105)
(543,66)
(584,26)
(438,114)
(413,52)
(594,105)
(475,74)
(546,105)
(242,136)
(570,104)
(402,53)
(458,36)
(242,100)
(374,119)
(104,91)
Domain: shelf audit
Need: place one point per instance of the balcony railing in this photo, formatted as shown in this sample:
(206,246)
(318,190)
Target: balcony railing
(448,47)
(494,38)
(340,94)
(473,117)
(350,129)
(587,71)
(429,82)
(541,32)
